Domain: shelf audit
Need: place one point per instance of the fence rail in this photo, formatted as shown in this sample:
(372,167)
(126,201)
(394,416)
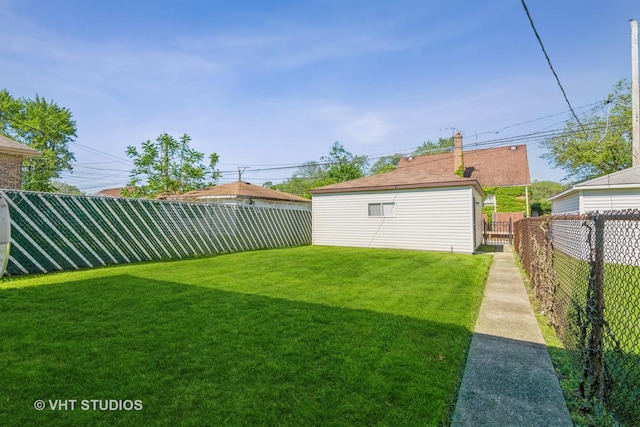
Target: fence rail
(585,271)
(497,232)
(54,232)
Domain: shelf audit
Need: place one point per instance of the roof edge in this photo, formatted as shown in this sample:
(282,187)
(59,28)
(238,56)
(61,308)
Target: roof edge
(472,183)
(578,187)
(26,153)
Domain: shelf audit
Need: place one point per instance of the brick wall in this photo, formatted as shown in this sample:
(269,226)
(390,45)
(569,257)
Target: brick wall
(10,172)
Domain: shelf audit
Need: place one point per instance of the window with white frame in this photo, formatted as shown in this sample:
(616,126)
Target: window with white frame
(382,209)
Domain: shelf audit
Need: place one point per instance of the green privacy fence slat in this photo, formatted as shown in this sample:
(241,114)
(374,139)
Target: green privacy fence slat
(54,232)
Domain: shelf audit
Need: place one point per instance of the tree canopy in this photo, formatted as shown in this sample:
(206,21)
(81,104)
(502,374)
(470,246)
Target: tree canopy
(44,126)
(389,163)
(167,166)
(342,165)
(386,163)
(541,191)
(443,145)
(338,166)
(310,175)
(600,144)
(64,188)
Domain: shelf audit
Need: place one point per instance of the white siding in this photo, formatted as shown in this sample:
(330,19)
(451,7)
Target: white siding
(567,204)
(478,201)
(612,199)
(438,219)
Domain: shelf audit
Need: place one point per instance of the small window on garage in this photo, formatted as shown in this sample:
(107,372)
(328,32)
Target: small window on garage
(382,209)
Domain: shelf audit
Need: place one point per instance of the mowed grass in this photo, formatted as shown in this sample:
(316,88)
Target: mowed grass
(301,336)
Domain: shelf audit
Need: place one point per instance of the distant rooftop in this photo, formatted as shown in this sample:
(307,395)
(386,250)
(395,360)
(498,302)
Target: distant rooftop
(113,192)
(239,188)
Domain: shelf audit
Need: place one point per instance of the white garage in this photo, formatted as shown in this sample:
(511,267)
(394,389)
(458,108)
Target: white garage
(616,191)
(403,209)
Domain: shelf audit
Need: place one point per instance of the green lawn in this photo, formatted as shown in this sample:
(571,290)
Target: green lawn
(301,336)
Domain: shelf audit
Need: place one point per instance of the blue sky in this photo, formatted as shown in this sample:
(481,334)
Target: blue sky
(275,83)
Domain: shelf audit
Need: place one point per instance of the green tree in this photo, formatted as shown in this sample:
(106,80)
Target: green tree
(444,145)
(540,192)
(342,165)
(64,188)
(600,144)
(310,175)
(169,166)
(386,164)
(44,126)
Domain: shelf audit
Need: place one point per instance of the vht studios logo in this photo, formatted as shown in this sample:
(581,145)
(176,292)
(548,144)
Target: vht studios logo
(88,405)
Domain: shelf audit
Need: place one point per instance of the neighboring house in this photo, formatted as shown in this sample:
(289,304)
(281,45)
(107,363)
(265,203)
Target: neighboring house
(12,154)
(503,172)
(407,208)
(617,191)
(246,194)
(113,192)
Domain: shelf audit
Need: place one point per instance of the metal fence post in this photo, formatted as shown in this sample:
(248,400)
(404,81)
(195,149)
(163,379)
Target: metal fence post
(595,313)
(510,231)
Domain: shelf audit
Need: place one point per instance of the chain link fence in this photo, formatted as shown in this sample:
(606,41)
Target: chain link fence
(55,232)
(585,271)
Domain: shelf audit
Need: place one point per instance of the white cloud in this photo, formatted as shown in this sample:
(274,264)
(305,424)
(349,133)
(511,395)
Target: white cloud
(360,127)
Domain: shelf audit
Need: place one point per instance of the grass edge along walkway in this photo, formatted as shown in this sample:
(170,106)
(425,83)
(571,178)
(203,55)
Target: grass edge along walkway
(509,378)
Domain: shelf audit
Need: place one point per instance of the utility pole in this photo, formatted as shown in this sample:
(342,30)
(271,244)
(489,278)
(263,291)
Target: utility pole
(635,94)
(241,171)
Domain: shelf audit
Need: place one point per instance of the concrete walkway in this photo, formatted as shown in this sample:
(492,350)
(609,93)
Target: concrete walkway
(509,379)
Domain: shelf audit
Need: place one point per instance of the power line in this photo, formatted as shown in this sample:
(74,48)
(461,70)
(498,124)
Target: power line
(526,9)
(103,154)
(598,103)
(229,175)
(86,176)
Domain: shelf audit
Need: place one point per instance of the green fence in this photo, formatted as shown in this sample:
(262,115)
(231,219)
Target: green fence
(54,232)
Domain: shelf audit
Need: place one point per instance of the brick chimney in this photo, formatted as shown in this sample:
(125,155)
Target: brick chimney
(457,153)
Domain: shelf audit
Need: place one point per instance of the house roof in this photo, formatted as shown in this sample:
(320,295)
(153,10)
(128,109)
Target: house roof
(491,167)
(399,179)
(113,192)
(627,178)
(238,189)
(14,148)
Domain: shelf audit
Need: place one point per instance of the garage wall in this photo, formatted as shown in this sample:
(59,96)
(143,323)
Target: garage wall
(567,204)
(438,219)
(609,200)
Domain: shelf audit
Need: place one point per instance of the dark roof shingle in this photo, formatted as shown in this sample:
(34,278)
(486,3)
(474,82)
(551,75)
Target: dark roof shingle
(491,167)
